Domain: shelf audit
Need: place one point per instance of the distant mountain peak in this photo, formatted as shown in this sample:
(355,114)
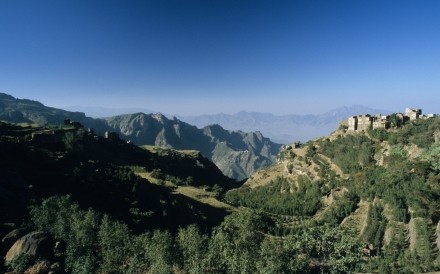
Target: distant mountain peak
(159,116)
(349,110)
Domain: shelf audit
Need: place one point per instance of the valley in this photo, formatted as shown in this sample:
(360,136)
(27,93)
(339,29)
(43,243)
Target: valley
(364,200)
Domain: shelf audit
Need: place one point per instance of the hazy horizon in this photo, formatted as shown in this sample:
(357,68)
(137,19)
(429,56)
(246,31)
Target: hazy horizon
(208,57)
(94,111)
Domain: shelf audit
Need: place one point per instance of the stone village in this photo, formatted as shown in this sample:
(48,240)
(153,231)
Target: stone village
(366,121)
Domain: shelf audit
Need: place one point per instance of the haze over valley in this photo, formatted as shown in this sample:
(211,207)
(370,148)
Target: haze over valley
(283,129)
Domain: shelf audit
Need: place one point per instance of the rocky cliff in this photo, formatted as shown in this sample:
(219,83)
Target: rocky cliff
(236,153)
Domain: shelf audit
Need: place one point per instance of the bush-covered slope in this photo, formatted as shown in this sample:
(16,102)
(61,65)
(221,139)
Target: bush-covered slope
(380,187)
(39,162)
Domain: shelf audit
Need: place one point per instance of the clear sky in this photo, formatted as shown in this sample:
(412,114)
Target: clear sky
(209,56)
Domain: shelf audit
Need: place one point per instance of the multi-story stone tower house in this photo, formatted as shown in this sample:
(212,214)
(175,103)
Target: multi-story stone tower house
(352,123)
(413,113)
(378,121)
(361,122)
(365,122)
(381,121)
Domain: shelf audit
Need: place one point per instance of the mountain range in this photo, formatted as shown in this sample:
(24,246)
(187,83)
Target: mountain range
(284,129)
(236,153)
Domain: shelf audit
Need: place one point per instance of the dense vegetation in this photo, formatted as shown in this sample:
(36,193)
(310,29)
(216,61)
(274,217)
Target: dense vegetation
(94,172)
(394,172)
(351,153)
(280,197)
(96,243)
(366,202)
(398,181)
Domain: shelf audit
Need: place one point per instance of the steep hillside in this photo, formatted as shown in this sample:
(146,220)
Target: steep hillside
(283,129)
(29,111)
(380,187)
(39,162)
(237,154)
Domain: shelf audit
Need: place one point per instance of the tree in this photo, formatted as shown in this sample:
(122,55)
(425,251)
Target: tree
(114,243)
(234,246)
(194,247)
(395,121)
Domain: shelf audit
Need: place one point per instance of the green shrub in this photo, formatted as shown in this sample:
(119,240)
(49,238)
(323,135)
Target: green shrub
(280,197)
(21,262)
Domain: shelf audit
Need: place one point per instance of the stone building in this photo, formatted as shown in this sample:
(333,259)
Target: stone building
(361,122)
(365,122)
(381,121)
(68,122)
(352,123)
(111,135)
(378,121)
(413,113)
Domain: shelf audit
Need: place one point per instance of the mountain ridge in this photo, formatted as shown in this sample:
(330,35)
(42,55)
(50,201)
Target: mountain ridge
(284,129)
(238,154)
(156,129)
(103,112)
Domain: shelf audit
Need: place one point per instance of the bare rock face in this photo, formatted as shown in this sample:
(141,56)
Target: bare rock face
(238,154)
(35,244)
(10,238)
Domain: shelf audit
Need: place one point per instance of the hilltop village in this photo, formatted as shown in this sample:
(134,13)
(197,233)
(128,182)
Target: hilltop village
(366,121)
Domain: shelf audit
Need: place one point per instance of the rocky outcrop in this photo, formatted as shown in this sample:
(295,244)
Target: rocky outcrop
(238,154)
(10,238)
(34,244)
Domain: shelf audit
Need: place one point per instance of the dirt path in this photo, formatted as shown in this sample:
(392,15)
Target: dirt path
(412,234)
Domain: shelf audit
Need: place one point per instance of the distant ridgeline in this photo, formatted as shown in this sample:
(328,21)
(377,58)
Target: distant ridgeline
(396,120)
(238,154)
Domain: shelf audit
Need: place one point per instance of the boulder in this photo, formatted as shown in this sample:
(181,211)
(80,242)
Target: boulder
(36,244)
(10,238)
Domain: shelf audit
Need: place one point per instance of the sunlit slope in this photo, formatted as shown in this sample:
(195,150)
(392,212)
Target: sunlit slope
(381,186)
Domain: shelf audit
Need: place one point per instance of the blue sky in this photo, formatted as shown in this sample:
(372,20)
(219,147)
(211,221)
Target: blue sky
(208,56)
